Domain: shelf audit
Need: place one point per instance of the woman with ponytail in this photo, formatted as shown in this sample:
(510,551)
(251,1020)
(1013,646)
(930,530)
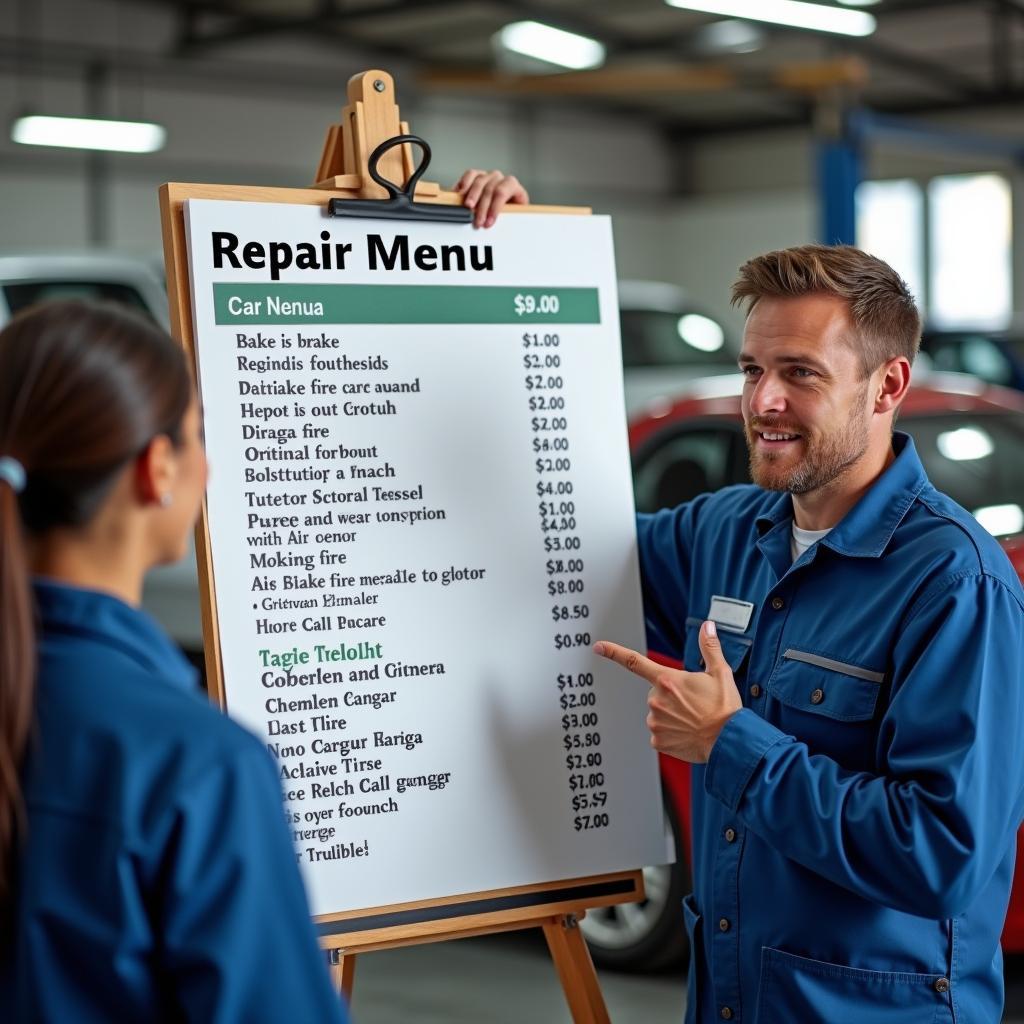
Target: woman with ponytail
(145,870)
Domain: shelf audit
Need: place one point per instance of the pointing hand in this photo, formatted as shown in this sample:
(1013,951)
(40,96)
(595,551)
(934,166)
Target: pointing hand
(687,710)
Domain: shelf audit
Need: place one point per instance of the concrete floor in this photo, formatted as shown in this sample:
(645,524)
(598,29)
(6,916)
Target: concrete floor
(501,979)
(509,979)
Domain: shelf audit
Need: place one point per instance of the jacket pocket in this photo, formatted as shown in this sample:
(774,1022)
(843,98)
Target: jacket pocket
(795,988)
(734,648)
(830,705)
(824,686)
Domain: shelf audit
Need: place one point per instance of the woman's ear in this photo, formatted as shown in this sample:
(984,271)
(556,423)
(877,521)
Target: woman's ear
(155,471)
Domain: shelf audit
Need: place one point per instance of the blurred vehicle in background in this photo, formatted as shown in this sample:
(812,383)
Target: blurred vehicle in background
(667,341)
(28,278)
(993,356)
(970,437)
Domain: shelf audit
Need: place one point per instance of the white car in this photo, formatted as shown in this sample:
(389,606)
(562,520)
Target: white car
(667,341)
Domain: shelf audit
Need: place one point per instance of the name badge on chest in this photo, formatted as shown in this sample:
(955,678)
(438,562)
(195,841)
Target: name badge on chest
(731,613)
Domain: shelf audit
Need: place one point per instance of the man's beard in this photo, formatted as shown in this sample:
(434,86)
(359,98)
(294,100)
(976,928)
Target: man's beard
(824,459)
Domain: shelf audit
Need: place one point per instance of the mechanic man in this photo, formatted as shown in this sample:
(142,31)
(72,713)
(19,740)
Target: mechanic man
(853,686)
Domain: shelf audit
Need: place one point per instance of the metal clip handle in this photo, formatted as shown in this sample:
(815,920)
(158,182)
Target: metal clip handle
(401,205)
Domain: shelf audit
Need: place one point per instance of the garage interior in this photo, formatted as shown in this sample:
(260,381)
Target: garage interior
(705,137)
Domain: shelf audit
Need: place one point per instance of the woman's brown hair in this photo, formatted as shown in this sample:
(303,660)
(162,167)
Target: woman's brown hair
(84,388)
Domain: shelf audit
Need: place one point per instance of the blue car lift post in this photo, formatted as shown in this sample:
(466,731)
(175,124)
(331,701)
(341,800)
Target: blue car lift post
(842,149)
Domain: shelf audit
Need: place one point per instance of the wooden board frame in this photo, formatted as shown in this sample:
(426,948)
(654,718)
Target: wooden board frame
(555,906)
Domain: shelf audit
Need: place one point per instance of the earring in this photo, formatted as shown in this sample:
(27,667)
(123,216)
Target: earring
(166,499)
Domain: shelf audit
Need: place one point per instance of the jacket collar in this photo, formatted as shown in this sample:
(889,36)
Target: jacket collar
(865,531)
(69,611)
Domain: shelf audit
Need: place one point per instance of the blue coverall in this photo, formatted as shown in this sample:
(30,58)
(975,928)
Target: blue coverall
(854,828)
(157,880)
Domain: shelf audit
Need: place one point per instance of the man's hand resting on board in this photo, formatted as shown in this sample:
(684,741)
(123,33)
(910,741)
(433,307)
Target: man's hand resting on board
(687,709)
(487,192)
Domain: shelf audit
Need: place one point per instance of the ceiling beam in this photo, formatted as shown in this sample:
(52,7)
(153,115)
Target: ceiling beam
(328,16)
(811,77)
(683,129)
(931,72)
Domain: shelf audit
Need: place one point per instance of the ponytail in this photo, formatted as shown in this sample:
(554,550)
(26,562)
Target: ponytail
(84,388)
(17,677)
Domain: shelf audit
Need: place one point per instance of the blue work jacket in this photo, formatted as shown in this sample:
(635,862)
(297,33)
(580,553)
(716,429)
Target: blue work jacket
(854,827)
(157,880)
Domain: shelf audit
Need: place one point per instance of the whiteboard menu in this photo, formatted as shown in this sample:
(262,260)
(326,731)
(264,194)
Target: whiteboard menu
(420,516)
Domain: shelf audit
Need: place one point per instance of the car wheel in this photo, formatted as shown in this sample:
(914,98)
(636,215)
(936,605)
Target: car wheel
(650,934)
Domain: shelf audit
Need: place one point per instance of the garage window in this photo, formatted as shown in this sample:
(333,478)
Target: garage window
(962,277)
(890,225)
(970,261)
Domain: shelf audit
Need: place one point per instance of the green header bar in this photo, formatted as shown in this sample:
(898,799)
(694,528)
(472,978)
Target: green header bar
(402,304)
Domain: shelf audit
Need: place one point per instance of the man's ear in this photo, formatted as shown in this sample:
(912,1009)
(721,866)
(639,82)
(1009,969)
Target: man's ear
(155,471)
(892,379)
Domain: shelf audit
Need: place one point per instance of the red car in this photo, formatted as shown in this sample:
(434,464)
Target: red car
(970,437)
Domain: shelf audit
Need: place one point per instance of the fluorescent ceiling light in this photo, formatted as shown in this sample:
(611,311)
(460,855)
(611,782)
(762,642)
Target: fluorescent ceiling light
(860,3)
(795,13)
(542,42)
(89,133)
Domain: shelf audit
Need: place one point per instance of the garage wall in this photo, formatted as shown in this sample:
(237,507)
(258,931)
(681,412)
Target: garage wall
(711,236)
(256,113)
(758,192)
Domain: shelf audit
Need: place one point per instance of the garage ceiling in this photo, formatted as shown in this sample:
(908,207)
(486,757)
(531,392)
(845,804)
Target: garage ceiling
(926,55)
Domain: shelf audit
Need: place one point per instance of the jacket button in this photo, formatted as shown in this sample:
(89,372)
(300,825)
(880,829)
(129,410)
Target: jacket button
(730,835)
(817,696)
(778,604)
(755,691)
(723,924)
(942,984)
(726,1013)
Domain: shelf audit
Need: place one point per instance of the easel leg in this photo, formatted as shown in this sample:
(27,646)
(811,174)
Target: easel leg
(343,972)
(576,970)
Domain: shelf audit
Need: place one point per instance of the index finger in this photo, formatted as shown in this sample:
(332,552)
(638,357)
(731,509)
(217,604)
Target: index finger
(507,192)
(467,179)
(632,661)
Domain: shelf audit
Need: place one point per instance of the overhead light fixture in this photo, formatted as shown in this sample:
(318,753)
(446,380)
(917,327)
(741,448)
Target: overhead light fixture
(731,36)
(552,45)
(88,133)
(859,3)
(794,13)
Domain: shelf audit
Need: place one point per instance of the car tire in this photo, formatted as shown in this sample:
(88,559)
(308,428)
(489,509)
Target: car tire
(651,934)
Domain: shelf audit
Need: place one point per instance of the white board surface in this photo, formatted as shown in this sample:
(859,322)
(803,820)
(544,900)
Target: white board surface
(421,516)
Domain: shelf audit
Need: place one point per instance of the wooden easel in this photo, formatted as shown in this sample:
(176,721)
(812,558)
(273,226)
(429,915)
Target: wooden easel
(371,118)
(556,909)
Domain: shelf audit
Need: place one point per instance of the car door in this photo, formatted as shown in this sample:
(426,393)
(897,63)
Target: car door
(688,458)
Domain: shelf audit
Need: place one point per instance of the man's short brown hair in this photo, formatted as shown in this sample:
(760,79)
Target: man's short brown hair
(885,317)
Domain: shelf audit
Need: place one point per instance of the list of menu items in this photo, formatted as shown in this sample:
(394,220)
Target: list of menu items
(420,516)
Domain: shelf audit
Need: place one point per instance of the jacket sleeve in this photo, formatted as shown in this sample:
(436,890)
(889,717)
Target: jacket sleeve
(665,541)
(926,835)
(238,942)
